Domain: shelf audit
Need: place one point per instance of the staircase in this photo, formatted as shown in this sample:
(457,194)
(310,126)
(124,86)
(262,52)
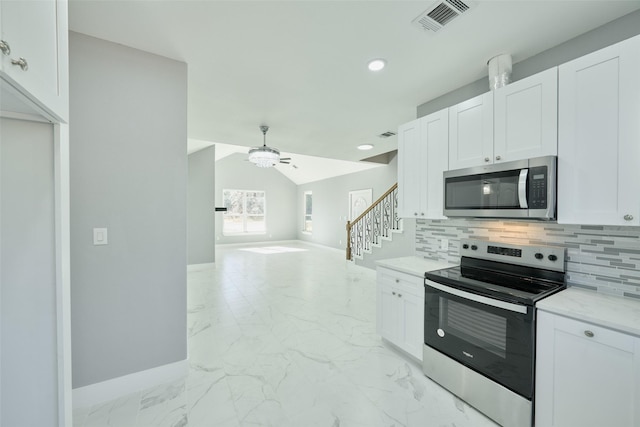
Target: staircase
(376,224)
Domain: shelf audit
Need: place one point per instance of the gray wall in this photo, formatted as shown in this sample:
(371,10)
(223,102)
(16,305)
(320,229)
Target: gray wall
(29,369)
(608,34)
(201,207)
(235,173)
(331,202)
(128,149)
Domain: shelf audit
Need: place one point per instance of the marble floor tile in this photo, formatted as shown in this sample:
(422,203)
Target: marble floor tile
(285,336)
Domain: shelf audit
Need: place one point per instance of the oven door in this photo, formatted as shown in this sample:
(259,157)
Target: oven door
(492,337)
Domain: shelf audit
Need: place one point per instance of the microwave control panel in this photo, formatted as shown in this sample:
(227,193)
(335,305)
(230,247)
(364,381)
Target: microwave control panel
(538,177)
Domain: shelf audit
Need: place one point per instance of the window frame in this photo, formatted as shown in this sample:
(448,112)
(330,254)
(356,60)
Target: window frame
(305,229)
(244,215)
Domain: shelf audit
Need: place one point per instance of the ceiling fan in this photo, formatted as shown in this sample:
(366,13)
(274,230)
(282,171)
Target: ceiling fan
(266,157)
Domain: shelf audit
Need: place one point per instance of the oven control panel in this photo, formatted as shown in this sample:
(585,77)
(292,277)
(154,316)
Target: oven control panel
(547,257)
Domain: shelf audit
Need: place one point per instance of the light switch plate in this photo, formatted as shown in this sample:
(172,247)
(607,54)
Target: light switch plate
(100,236)
(444,244)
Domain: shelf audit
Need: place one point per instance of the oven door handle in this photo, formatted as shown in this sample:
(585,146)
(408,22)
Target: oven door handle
(478,298)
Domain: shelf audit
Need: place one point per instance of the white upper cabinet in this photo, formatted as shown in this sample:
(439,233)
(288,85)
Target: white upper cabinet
(599,137)
(34,57)
(422,158)
(471,132)
(434,134)
(518,121)
(410,174)
(526,118)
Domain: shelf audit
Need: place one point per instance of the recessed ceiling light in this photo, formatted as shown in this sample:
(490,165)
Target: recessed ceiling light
(364,147)
(377,64)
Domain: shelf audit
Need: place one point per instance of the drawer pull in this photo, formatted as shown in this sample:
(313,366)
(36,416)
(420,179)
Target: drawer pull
(397,280)
(588,333)
(393,293)
(399,295)
(22,63)
(4,48)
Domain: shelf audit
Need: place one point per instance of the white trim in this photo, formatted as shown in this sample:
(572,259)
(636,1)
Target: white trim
(320,245)
(23,116)
(107,390)
(201,267)
(63,272)
(279,242)
(259,243)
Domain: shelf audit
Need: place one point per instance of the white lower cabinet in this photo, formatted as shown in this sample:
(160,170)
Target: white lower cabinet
(586,375)
(400,314)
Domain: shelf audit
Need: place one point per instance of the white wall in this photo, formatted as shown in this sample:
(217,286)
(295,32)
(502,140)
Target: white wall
(234,172)
(29,365)
(128,165)
(201,207)
(331,202)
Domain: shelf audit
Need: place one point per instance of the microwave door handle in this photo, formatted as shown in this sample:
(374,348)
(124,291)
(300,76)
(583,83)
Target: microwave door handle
(522,188)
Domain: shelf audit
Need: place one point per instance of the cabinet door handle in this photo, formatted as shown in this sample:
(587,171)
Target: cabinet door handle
(21,62)
(399,295)
(397,280)
(486,159)
(415,213)
(588,333)
(393,293)
(5,48)
(498,158)
(628,217)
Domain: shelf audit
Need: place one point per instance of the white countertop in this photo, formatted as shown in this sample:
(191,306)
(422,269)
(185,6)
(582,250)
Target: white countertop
(622,314)
(413,265)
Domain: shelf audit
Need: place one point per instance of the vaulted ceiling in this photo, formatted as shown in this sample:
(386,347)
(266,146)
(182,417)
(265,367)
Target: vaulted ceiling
(301,66)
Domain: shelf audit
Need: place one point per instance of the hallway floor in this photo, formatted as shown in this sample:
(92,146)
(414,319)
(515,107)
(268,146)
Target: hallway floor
(285,336)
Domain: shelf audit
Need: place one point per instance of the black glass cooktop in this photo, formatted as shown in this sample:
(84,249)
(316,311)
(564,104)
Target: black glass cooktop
(506,282)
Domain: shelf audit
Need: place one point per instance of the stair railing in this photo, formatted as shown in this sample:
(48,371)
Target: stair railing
(378,221)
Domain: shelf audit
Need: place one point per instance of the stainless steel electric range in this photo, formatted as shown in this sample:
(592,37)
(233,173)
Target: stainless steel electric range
(480,325)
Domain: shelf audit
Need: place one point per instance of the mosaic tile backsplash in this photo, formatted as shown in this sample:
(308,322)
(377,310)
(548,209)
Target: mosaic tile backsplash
(602,258)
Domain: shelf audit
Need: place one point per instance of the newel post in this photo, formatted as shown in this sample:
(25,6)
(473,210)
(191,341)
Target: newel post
(348,240)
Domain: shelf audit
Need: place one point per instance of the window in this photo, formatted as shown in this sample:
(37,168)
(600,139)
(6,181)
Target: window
(308,209)
(245,212)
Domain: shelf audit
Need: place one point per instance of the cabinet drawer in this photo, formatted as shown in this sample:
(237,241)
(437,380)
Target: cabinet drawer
(594,333)
(401,281)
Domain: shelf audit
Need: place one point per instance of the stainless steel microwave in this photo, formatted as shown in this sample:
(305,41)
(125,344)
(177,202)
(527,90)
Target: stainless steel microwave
(518,189)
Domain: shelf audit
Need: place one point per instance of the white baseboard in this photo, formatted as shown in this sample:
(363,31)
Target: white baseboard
(200,267)
(259,243)
(117,387)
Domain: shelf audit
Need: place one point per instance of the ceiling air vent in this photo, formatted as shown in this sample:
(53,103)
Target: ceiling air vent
(386,134)
(441,13)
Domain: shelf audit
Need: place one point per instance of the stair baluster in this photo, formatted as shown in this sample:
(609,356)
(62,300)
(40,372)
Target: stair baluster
(375,224)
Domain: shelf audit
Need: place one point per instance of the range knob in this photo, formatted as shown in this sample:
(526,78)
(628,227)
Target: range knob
(465,246)
(552,257)
(539,255)
(474,247)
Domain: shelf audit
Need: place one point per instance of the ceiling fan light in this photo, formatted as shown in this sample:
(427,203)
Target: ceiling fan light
(264,157)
